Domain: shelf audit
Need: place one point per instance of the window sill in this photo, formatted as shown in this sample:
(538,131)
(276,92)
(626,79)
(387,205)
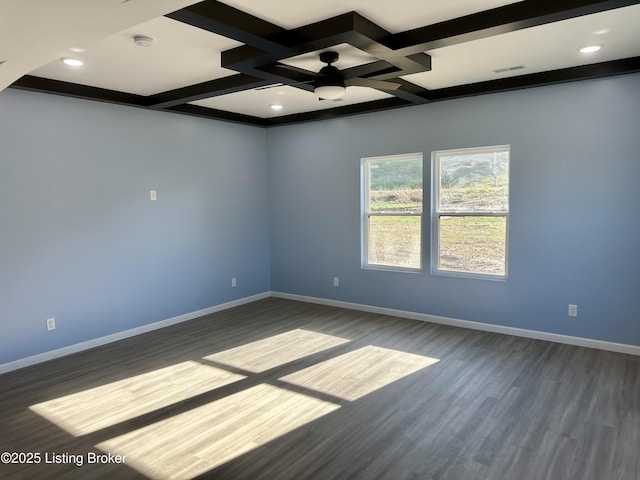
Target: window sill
(388,268)
(470,275)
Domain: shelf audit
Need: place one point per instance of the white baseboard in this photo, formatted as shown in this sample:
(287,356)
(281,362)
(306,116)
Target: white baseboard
(487,327)
(78,347)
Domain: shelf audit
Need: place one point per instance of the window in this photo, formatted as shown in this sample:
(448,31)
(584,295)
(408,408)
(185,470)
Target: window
(392,212)
(470,211)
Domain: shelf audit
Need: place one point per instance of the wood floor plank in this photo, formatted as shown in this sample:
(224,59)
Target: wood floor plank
(283,390)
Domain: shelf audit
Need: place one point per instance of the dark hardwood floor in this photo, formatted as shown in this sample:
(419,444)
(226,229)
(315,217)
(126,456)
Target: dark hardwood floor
(286,390)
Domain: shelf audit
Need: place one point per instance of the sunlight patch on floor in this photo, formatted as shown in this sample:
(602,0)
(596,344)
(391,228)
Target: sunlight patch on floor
(198,440)
(360,372)
(277,350)
(215,433)
(100,407)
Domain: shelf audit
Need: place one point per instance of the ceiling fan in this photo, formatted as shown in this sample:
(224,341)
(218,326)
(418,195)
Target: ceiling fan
(331,84)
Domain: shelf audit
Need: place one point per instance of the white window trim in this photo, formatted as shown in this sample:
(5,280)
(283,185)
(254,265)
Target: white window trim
(436,214)
(366,214)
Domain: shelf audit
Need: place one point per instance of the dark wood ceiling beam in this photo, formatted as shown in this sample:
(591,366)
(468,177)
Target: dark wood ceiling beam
(605,69)
(212,113)
(212,88)
(501,20)
(350,28)
(74,90)
(265,44)
(316,36)
(369,36)
(404,65)
(374,106)
(67,89)
(221,19)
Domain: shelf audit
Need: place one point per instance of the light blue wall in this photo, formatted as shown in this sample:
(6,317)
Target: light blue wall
(81,241)
(574,230)
(280,209)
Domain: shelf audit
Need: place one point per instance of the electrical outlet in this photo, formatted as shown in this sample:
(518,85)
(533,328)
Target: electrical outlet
(234,282)
(51,323)
(573,310)
(153,195)
(336,281)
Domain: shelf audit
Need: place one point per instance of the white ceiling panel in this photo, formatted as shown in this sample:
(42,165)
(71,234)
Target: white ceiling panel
(35,32)
(180,55)
(257,102)
(547,47)
(182,67)
(392,16)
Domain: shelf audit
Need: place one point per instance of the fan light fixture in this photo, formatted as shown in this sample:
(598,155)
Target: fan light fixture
(329,82)
(330,92)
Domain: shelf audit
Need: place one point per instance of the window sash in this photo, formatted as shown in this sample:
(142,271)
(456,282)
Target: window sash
(438,213)
(399,265)
(368,214)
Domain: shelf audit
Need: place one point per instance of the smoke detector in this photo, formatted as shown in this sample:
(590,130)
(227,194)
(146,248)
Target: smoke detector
(143,40)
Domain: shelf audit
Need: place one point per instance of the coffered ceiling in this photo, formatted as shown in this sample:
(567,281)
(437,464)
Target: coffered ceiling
(236,60)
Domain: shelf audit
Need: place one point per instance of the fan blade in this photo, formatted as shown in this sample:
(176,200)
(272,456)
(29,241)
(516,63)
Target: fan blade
(267,87)
(278,85)
(371,83)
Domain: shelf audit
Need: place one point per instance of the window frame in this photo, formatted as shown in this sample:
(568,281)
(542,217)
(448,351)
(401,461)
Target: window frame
(436,212)
(366,214)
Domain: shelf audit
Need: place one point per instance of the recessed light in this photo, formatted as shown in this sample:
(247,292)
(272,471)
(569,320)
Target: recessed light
(590,48)
(73,62)
(277,108)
